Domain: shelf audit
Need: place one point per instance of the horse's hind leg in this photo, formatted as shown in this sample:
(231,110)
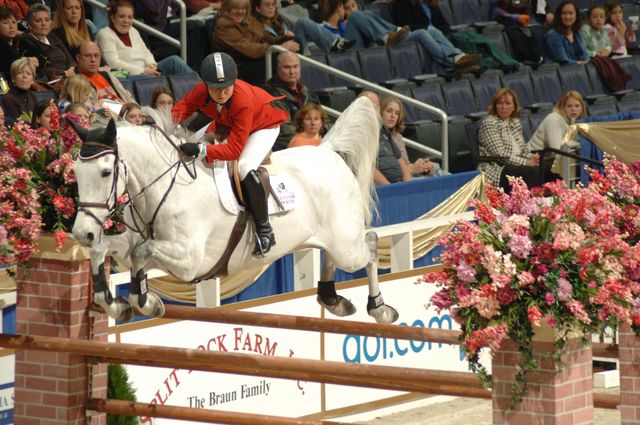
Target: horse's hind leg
(375,306)
(117,308)
(327,296)
(148,303)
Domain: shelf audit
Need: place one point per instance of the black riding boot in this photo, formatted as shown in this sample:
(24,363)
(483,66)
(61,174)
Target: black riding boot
(256,202)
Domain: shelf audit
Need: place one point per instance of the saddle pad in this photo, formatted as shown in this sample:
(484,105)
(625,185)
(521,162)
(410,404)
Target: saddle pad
(283,187)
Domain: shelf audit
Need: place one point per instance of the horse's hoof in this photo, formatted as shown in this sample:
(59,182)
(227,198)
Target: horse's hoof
(384,314)
(341,307)
(154,307)
(121,310)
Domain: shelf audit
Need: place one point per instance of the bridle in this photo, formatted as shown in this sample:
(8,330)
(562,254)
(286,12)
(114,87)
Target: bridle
(146,231)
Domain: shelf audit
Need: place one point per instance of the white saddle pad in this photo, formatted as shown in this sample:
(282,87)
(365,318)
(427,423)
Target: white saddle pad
(284,188)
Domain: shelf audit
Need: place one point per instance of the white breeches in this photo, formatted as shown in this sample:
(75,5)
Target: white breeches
(258,146)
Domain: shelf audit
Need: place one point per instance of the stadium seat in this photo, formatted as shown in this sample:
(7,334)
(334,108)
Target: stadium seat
(520,83)
(447,12)
(314,78)
(45,95)
(546,83)
(600,109)
(431,95)
(466,12)
(427,133)
(574,77)
(381,9)
(527,130)
(144,88)
(632,66)
(534,122)
(345,62)
(128,86)
(598,85)
(376,67)
(181,84)
(458,95)
(626,105)
(408,63)
(484,88)
(460,156)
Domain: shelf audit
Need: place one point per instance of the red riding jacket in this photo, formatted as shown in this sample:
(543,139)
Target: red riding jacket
(247,111)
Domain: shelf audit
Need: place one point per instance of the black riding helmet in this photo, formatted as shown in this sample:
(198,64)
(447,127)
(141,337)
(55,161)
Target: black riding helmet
(219,70)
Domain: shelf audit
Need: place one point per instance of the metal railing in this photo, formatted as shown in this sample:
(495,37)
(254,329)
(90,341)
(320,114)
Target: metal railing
(443,154)
(181,43)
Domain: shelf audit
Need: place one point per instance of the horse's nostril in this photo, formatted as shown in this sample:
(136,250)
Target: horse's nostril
(90,236)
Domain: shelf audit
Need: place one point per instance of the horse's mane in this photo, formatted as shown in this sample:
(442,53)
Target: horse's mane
(355,136)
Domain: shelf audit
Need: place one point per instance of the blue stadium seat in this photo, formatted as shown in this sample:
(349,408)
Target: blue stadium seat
(575,77)
(546,83)
(431,95)
(484,88)
(459,97)
(45,95)
(598,85)
(128,86)
(466,12)
(534,122)
(632,66)
(520,83)
(408,63)
(600,109)
(445,8)
(527,130)
(626,105)
(381,9)
(376,67)
(346,62)
(182,84)
(315,78)
(144,88)
(460,156)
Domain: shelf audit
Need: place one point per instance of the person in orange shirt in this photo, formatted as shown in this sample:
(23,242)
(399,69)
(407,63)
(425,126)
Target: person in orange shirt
(252,123)
(309,122)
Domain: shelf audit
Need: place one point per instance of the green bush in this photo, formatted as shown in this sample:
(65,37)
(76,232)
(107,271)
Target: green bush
(120,388)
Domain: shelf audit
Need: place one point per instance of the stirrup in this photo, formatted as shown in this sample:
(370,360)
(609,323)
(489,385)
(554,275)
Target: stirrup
(263,244)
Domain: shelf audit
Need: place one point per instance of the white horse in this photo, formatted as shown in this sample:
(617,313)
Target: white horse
(180,226)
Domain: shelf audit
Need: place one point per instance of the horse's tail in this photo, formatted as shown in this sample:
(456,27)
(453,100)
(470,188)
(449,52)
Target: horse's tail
(355,136)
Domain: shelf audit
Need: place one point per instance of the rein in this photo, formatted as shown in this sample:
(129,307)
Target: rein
(146,231)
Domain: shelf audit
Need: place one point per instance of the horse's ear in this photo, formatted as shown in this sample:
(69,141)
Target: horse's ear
(80,130)
(110,132)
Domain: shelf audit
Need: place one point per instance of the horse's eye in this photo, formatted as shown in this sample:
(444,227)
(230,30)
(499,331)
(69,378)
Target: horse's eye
(106,173)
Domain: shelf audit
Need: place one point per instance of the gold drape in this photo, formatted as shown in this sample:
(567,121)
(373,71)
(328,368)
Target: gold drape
(619,138)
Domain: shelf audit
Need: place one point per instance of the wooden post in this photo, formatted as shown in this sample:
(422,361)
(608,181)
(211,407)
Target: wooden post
(629,349)
(564,398)
(54,293)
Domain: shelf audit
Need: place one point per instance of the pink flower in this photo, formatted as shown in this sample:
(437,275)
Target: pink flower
(61,238)
(565,290)
(534,315)
(520,246)
(577,308)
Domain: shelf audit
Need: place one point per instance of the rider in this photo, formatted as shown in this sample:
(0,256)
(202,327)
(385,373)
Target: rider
(252,123)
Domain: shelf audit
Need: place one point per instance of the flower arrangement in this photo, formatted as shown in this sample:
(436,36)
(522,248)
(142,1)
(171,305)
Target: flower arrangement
(38,191)
(550,254)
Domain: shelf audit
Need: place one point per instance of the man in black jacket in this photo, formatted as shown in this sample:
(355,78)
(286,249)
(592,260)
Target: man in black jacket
(287,83)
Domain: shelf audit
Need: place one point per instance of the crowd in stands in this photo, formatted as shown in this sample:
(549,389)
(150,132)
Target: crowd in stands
(89,60)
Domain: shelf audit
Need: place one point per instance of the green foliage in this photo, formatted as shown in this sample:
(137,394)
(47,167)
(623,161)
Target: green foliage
(120,388)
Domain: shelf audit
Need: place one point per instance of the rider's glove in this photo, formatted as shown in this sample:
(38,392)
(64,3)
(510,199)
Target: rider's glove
(192,149)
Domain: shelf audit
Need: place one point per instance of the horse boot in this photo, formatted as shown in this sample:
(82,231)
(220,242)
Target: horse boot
(256,202)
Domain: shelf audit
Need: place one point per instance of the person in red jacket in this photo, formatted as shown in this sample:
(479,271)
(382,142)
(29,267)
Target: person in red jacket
(253,125)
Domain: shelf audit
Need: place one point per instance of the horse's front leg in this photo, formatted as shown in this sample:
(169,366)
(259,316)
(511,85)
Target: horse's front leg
(147,303)
(376,307)
(117,308)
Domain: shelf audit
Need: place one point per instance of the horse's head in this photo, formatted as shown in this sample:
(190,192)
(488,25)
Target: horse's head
(96,172)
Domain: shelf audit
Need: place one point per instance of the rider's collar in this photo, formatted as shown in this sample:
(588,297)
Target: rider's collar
(227,104)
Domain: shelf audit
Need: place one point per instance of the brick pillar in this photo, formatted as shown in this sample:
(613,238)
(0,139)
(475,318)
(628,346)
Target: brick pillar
(629,356)
(564,398)
(54,293)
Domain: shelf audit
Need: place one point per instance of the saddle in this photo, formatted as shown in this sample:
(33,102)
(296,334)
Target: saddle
(262,173)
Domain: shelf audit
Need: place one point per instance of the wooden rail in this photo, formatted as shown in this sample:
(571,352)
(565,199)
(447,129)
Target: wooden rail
(313,324)
(130,408)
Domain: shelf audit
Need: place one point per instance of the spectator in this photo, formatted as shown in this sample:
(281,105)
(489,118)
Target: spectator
(564,42)
(54,59)
(366,27)
(594,34)
(163,99)
(240,35)
(392,113)
(77,89)
(163,15)
(18,6)
(81,111)
(132,113)
(286,84)
(500,135)
(620,34)
(11,46)
(125,51)
(70,25)
(304,30)
(106,84)
(20,97)
(550,133)
(42,114)
(309,123)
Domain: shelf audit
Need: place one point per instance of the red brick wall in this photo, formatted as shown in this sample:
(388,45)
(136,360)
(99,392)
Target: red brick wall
(560,399)
(53,300)
(629,356)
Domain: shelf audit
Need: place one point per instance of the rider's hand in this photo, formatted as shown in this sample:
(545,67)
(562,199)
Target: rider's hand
(190,149)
